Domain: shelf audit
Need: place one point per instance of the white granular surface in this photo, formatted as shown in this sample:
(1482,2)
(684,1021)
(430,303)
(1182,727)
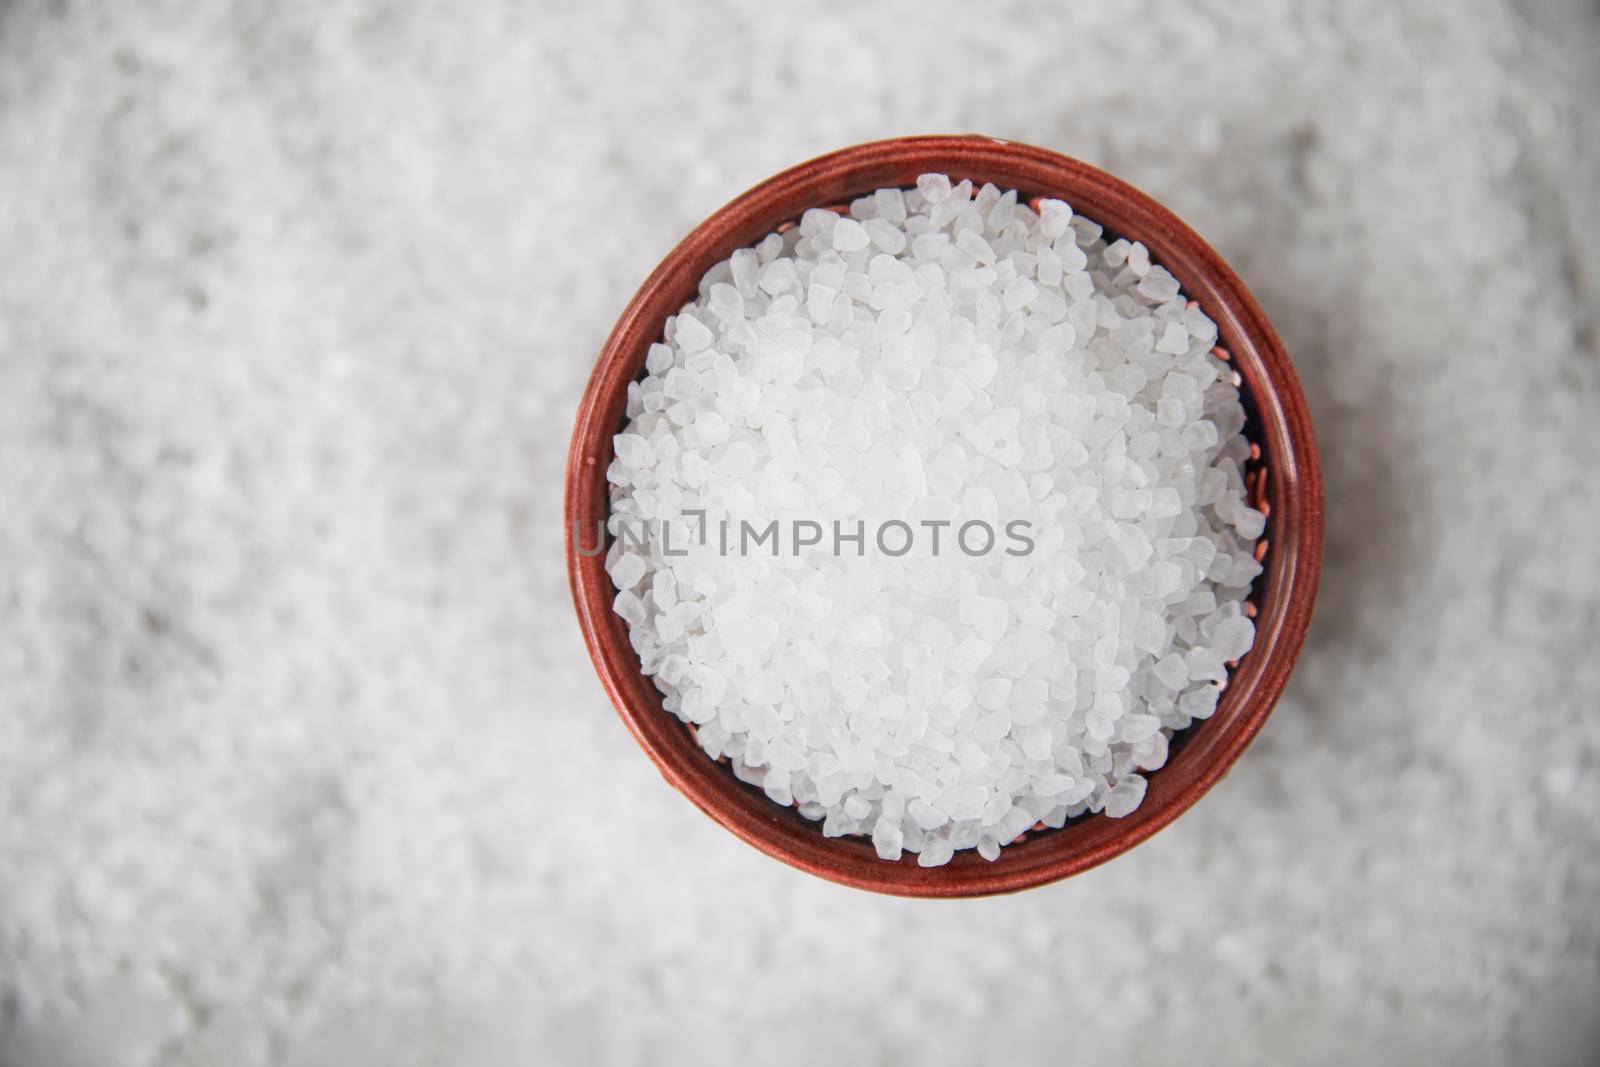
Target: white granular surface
(301,757)
(940,360)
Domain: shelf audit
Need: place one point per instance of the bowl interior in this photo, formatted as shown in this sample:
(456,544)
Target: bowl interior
(1284,480)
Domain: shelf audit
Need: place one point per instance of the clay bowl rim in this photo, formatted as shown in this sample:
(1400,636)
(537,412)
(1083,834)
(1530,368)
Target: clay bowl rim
(1280,425)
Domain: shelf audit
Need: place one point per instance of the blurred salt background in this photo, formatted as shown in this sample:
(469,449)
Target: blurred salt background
(297,738)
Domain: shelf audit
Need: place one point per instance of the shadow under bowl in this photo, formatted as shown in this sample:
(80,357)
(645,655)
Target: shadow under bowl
(1284,479)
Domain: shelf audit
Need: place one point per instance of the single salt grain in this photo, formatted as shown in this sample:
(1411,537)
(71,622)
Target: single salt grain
(1159,287)
(1004,210)
(973,244)
(629,607)
(925,815)
(1051,785)
(1125,796)
(994,693)
(1200,702)
(658,360)
(886,235)
(993,726)
(710,428)
(745,268)
(1250,523)
(1171,671)
(934,187)
(1036,745)
(887,838)
(1136,729)
(633,450)
(738,461)
(692,334)
(986,615)
(1018,294)
(627,571)
(1055,217)
(776,276)
(1174,339)
(891,206)
(1048,267)
(1233,637)
(1139,258)
(850,236)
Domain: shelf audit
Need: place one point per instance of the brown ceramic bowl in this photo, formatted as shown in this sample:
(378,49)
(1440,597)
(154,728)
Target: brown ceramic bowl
(1285,480)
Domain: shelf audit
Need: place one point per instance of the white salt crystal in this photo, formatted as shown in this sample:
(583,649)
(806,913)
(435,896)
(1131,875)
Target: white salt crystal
(776,276)
(981,371)
(737,461)
(1080,287)
(691,335)
(1250,523)
(1151,754)
(633,450)
(680,383)
(1245,570)
(1174,339)
(886,235)
(630,607)
(986,615)
(1050,785)
(1171,671)
(994,693)
(1233,637)
(891,206)
(1019,293)
(925,815)
(726,302)
(850,236)
(710,429)
(1054,218)
(627,571)
(887,839)
(1004,210)
(1139,258)
(1200,702)
(1125,796)
(933,187)
(1135,729)
(745,268)
(1159,287)
(1036,744)
(993,726)
(973,244)
(1204,663)
(659,359)
(1015,822)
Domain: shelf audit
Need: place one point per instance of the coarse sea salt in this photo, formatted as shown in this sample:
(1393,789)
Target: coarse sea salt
(939,360)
